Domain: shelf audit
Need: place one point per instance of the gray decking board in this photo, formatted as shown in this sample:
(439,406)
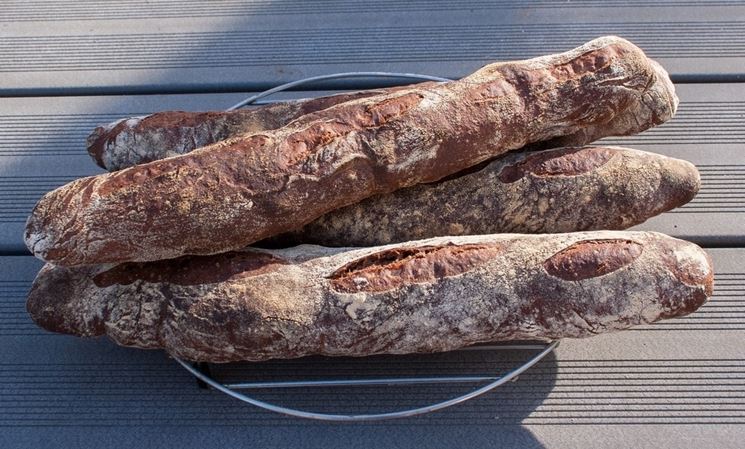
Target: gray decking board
(75,10)
(42,147)
(183,49)
(678,383)
(667,387)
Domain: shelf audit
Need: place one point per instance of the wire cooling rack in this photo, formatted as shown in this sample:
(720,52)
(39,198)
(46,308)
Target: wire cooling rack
(483,384)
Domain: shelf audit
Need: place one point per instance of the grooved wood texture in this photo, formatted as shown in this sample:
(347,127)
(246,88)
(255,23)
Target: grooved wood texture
(135,47)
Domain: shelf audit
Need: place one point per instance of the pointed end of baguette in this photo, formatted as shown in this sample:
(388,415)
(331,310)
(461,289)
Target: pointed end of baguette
(692,267)
(680,181)
(36,240)
(99,138)
(57,304)
(662,92)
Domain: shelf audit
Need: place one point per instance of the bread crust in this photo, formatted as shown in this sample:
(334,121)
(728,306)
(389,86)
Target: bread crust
(559,190)
(139,140)
(424,296)
(241,190)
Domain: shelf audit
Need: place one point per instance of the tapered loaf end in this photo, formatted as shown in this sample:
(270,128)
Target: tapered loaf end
(96,143)
(680,181)
(57,302)
(50,216)
(691,266)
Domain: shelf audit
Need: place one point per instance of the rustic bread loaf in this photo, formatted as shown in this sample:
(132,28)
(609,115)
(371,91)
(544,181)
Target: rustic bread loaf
(559,190)
(249,188)
(137,140)
(425,296)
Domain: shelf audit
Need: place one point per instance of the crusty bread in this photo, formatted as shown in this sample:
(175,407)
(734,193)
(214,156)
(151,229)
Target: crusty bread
(245,189)
(559,190)
(423,296)
(138,140)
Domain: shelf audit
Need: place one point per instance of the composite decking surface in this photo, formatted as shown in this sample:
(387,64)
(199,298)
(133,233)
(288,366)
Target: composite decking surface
(67,66)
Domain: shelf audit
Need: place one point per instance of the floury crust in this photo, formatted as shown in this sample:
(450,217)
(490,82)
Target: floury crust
(559,190)
(430,295)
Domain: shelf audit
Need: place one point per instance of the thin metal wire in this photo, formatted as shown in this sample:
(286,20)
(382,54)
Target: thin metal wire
(368,417)
(332,76)
(358,382)
(495,382)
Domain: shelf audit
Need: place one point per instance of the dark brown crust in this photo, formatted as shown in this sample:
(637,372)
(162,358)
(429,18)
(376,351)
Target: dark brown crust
(627,188)
(191,270)
(395,268)
(134,141)
(168,123)
(592,258)
(451,292)
(242,190)
(566,162)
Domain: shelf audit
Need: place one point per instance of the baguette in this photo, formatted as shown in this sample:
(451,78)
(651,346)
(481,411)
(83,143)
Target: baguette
(425,296)
(559,190)
(245,189)
(138,140)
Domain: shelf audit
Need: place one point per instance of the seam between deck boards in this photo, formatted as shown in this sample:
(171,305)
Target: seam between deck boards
(251,87)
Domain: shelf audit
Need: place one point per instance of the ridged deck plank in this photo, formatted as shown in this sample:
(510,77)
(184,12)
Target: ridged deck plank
(167,46)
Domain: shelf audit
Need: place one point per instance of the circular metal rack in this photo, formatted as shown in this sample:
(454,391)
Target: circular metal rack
(487,383)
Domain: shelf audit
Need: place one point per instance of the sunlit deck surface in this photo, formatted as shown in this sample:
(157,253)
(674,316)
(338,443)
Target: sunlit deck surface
(66,66)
